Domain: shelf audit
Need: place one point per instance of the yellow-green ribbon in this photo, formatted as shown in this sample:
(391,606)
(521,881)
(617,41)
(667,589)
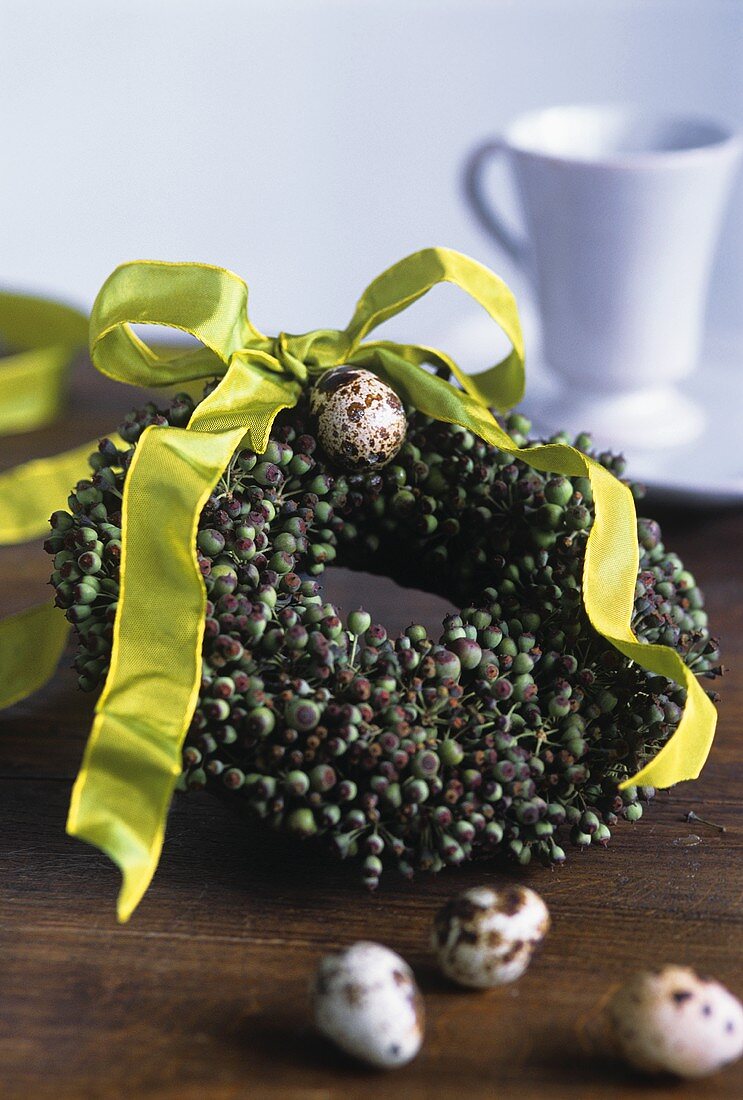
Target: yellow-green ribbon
(133,757)
(42,337)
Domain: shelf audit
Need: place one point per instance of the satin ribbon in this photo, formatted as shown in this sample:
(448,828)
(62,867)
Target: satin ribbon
(43,337)
(133,756)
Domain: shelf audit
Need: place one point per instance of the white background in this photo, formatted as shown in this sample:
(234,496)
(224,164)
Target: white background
(307,144)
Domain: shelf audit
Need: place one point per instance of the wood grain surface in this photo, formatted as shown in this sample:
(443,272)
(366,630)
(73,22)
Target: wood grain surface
(203,993)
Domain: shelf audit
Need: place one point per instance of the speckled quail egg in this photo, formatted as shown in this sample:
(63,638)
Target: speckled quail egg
(366,1001)
(361,421)
(673,1021)
(486,937)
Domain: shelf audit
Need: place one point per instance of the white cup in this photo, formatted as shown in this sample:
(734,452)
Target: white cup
(622,209)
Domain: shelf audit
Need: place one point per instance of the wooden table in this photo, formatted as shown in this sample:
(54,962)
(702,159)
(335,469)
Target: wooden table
(203,993)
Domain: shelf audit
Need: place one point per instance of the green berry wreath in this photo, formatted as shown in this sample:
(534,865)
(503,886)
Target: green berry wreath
(518,720)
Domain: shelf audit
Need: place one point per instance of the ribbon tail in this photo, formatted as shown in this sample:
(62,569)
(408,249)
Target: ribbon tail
(32,642)
(31,645)
(685,753)
(609,577)
(31,492)
(45,336)
(32,388)
(611,561)
(133,757)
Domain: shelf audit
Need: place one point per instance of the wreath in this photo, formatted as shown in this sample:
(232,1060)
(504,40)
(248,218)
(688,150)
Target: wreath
(416,751)
(564,689)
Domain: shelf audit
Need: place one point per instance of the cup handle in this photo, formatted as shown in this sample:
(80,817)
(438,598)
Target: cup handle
(514,244)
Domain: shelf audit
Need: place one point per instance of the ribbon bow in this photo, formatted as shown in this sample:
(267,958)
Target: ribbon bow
(133,757)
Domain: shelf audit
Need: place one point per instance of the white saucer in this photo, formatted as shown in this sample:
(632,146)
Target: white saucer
(708,469)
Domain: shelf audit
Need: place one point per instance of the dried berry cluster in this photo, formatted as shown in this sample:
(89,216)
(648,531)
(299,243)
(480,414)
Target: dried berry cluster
(518,720)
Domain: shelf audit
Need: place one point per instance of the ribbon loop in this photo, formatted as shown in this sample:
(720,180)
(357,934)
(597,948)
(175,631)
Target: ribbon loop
(502,386)
(208,303)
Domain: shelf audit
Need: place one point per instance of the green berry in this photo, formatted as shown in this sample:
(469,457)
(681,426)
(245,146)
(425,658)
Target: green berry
(302,714)
(450,753)
(579,838)
(425,764)
(210,542)
(550,516)
(446,663)
(359,622)
(224,578)
(301,822)
(558,491)
(90,562)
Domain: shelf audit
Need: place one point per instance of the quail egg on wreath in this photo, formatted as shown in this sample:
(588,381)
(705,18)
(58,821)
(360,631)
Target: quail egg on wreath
(486,937)
(361,422)
(365,999)
(674,1021)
